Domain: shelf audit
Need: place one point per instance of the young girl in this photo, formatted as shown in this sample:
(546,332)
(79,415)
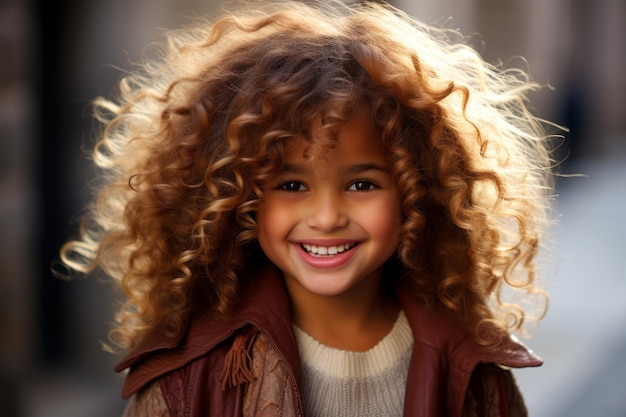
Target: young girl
(319,211)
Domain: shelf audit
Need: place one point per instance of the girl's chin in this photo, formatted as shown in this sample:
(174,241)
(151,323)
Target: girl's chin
(325,284)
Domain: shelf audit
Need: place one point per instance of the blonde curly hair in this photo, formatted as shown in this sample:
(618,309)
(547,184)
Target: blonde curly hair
(192,136)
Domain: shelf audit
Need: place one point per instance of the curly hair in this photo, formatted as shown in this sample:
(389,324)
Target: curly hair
(191,137)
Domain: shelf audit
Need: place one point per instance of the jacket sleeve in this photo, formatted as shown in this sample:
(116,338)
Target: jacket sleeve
(493,392)
(148,402)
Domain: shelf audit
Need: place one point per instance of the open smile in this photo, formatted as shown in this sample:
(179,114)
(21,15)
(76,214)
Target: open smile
(327,255)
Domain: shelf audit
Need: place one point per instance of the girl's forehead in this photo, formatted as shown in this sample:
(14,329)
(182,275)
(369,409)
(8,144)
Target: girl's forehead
(355,140)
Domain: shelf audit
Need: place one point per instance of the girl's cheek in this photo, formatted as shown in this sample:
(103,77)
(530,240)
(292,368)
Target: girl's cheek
(272,216)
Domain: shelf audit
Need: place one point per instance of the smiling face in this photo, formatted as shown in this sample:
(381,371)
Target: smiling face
(331,222)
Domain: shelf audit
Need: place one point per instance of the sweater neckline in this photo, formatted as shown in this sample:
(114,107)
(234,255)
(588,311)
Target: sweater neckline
(341,363)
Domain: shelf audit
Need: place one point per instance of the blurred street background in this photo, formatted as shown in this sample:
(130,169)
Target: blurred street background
(55,57)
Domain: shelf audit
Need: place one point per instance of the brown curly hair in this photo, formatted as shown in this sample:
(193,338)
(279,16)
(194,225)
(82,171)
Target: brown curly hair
(192,136)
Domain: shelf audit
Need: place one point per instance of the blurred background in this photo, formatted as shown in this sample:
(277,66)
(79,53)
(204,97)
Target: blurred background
(55,57)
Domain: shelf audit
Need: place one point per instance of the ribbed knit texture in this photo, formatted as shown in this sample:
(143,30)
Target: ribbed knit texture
(338,383)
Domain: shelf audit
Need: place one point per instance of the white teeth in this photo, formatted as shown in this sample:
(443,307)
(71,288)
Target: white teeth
(327,250)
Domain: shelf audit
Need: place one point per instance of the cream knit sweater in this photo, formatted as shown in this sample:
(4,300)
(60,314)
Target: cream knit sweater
(339,383)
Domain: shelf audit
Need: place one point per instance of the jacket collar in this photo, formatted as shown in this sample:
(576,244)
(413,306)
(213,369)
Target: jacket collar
(264,304)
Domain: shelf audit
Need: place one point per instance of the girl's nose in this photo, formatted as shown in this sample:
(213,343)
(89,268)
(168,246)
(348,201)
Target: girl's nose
(326,212)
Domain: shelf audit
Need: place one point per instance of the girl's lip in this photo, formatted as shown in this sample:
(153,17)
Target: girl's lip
(330,261)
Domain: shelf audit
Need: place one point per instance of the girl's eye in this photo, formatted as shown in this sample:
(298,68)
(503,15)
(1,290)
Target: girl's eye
(362,186)
(292,186)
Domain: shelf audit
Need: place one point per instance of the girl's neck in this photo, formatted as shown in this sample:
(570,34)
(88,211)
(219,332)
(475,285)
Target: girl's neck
(354,321)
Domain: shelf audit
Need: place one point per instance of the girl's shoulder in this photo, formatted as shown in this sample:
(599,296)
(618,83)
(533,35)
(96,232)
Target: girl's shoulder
(263,305)
(444,334)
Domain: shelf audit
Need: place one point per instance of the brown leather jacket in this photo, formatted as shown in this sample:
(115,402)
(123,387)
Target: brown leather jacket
(248,365)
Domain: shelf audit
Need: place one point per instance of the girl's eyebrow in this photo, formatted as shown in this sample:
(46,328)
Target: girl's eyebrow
(352,169)
(360,168)
(293,169)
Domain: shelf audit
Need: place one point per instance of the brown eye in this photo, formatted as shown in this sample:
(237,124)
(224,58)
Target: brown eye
(362,185)
(291,186)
